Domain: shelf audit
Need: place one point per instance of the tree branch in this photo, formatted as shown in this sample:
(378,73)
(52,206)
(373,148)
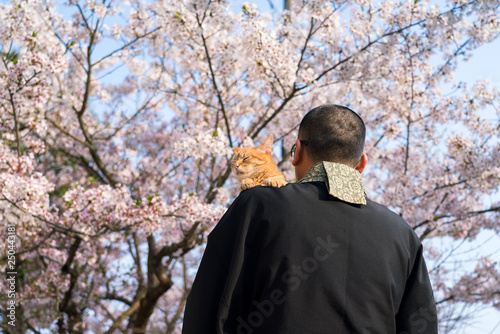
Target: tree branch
(127,45)
(67,305)
(16,125)
(133,307)
(64,131)
(214,82)
(62,229)
(114,296)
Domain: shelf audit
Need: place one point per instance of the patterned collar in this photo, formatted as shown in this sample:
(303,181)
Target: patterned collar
(342,181)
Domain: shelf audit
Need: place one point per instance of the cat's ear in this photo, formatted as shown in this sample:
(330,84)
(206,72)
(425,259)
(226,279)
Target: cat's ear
(237,149)
(267,145)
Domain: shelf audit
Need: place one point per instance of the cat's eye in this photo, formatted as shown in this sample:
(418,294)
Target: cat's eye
(245,159)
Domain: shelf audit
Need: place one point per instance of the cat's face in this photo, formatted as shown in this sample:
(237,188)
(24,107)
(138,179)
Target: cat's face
(251,161)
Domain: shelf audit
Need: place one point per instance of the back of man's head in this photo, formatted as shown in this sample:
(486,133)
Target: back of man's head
(334,133)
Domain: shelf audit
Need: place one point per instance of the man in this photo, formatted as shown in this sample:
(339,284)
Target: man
(315,256)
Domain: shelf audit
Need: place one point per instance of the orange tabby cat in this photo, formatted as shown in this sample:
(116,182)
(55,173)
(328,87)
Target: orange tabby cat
(254,166)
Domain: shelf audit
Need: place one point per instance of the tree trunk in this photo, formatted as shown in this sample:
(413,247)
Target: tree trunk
(148,304)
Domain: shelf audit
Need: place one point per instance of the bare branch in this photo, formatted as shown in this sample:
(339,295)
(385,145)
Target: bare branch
(172,324)
(275,113)
(133,307)
(138,260)
(16,125)
(186,244)
(127,45)
(412,99)
(214,82)
(64,131)
(114,296)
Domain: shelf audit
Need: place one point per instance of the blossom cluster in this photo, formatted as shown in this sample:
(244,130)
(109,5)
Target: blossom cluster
(22,189)
(201,145)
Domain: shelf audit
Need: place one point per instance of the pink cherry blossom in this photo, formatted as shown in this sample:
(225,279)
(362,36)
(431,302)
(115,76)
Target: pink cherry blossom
(118,120)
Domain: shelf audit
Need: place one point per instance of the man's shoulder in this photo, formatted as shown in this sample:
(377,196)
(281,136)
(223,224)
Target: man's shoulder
(382,209)
(289,191)
(253,204)
(313,192)
(390,218)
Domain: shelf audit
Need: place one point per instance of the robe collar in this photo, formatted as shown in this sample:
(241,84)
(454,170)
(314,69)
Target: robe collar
(342,181)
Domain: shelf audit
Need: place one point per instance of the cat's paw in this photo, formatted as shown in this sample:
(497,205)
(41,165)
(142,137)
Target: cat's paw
(247,184)
(275,182)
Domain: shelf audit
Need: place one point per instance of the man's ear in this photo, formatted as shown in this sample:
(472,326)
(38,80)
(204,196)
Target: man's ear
(237,149)
(297,158)
(267,145)
(362,163)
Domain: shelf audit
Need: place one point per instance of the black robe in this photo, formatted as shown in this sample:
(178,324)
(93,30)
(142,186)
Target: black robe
(297,260)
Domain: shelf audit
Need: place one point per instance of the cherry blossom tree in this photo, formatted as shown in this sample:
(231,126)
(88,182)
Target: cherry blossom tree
(118,120)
